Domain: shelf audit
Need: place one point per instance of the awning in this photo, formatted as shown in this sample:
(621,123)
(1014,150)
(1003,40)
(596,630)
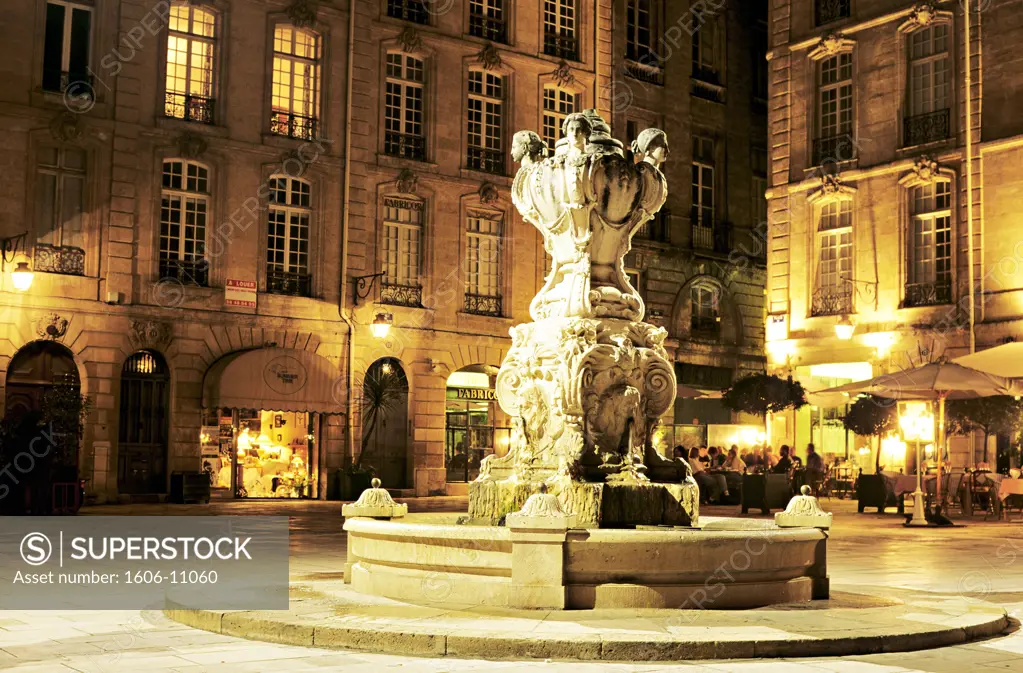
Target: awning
(274,379)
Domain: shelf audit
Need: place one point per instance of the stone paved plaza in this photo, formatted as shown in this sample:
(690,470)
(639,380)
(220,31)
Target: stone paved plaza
(981,560)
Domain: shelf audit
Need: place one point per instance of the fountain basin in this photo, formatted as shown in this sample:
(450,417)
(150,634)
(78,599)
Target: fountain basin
(726,564)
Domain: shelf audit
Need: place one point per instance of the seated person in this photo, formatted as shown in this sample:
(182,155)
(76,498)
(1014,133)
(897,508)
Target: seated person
(712,486)
(735,467)
(716,458)
(770,460)
(680,452)
(784,463)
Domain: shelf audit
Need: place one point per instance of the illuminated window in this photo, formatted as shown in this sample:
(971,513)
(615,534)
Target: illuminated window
(557,104)
(60,197)
(483,255)
(559,26)
(834,90)
(833,294)
(930,73)
(287,244)
(404,135)
(184,213)
(930,250)
(485,122)
(295,100)
(66,46)
(190,63)
(487,20)
(403,231)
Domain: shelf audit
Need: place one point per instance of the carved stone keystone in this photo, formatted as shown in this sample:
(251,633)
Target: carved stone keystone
(375,503)
(803,511)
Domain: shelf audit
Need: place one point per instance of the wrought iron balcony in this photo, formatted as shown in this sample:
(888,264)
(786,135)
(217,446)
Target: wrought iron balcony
(186,271)
(832,301)
(925,128)
(189,107)
(832,10)
(63,259)
(293,125)
(488,161)
(286,282)
(401,295)
(645,72)
(658,229)
(481,304)
(705,327)
(488,28)
(80,82)
(711,236)
(561,46)
(405,146)
(928,294)
(833,149)
(408,10)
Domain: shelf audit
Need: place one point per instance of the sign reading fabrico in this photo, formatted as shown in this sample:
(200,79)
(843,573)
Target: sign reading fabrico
(475,394)
(122,562)
(240,293)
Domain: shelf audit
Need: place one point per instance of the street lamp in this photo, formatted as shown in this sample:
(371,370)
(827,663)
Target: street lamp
(844,328)
(917,425)
(22,275)
(381,325)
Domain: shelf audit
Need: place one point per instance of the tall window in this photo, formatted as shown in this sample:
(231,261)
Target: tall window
(833,294)
(66,45)
(403,234)
(559,26)
(487,20)
(705,49)
(60,207)
(826,11)
(408,10)
(703,192)
(705,320)
(485,122)
(929,85)
(403,107)
(557,104)
(834,110)
(296,83)
(758,164)
(483,263)
(639,20)
(287,237)
(930,245)
(184,212)
(190,64)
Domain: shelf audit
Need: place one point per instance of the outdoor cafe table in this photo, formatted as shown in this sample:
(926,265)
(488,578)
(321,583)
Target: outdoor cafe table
(1006,486)
(906,483)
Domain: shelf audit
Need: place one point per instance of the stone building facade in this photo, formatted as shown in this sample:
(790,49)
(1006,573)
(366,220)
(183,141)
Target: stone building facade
(893,172)
(210,189)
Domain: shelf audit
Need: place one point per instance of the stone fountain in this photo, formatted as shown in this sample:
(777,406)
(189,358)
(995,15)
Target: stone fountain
(587,381)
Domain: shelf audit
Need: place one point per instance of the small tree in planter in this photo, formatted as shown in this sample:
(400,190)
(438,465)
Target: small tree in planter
(763,394)
(990,415)
(873,417)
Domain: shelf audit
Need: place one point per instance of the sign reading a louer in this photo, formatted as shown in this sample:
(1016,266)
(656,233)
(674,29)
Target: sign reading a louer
(241,293)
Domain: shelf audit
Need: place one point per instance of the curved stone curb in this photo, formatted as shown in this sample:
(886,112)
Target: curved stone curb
(907,628)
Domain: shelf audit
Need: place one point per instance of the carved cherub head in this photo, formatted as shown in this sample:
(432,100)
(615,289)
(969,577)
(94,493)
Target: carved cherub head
(651,146)
(576,129)
(528,148)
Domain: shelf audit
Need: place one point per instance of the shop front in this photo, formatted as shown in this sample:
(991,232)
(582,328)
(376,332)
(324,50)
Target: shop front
(264,413)
(475,426)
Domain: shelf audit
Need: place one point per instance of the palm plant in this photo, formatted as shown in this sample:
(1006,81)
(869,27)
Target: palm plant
(383,389)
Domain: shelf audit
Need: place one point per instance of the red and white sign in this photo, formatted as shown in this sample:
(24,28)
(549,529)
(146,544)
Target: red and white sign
(241,293)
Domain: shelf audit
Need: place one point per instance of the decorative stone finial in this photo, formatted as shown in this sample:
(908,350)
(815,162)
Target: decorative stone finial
(376,503)
(803,511)
(542,510)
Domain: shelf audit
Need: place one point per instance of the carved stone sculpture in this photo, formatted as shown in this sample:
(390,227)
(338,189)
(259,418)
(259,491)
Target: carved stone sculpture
(803,511)
(375,503)
(587,382)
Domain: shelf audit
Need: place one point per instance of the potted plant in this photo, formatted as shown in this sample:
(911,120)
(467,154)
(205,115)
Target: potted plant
(874,417)
(360,477)
(383,389)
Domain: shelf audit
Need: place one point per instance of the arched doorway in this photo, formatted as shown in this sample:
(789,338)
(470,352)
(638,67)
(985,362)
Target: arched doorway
(475,426)
(385,432)
(35,369)
(142,433)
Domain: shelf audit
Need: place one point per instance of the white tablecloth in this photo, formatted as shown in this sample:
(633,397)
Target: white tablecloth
(906,483)
(1009,487)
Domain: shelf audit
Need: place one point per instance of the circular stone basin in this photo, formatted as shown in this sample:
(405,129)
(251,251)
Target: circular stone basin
(724,564)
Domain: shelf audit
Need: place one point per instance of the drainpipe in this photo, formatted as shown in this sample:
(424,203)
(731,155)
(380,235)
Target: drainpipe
(968,80)
(346,314)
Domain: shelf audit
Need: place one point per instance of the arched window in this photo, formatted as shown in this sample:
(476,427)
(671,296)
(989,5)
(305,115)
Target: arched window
(557,104)
(704,302)
(184,213)
(295,99)
(929,280)
(404,132)
(143,423)
(287,237)
(191,63)
(35,369)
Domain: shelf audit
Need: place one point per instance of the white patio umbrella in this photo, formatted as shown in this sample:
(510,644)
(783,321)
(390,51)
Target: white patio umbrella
(685,391)
(1005,360)
(939,381)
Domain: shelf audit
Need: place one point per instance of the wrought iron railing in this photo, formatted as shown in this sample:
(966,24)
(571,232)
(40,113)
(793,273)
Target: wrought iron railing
(488,28)
(925,128)
(645,72)
(705,327)
(286,282)
(186,271)
(561,46)
(831,301)
(657,229)
(405,146)
(928,294)
(481,304)
(64,259)
(408,10)
(189,107)
(60,80)
(827,11)
(711,236)
(833,149)
(293,125)
(401,295)
(488,161)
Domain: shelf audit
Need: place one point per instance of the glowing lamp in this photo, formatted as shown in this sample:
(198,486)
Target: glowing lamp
(22,277)
(381,325)
(262,440)
(844,328)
